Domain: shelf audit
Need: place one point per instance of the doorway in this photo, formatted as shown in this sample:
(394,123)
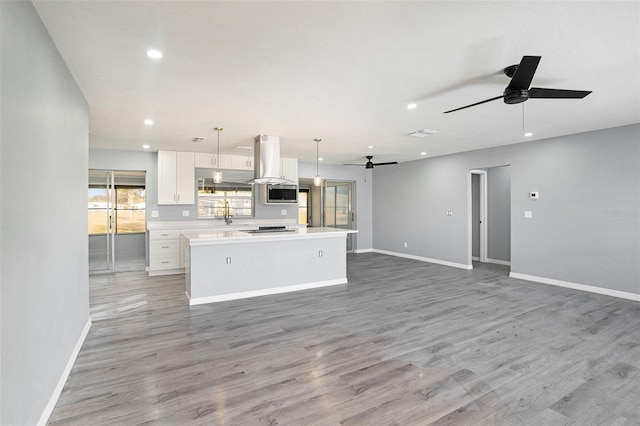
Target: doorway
(490,216)
(116,221)
(332,205)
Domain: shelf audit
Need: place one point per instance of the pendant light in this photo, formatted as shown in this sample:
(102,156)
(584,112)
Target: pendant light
(217,176)
(317,181)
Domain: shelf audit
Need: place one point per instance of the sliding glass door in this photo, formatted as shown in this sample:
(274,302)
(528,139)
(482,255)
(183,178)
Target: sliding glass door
(338,210)
(101,210)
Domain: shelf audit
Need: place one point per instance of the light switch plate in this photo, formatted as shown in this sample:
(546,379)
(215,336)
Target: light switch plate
(185,213)
(528,214)
(154,213)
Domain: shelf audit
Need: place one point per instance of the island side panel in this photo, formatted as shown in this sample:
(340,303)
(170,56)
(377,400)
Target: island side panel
(264,267)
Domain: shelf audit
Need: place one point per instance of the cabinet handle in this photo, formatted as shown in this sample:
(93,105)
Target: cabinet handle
(166,261)
(165,246)
(178,197)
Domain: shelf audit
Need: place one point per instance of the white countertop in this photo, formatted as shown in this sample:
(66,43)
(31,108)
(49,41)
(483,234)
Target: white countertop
(198,238)
(215,224)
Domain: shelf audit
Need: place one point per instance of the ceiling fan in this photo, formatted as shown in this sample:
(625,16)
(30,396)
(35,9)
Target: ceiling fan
(518,89)
(370,164)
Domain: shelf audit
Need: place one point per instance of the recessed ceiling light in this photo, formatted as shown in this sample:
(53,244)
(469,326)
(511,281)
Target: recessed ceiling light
(528,134)
(412,106)
(145,146)
(148,122)
(320,159)
(423,153)
(370,146)
(154,54)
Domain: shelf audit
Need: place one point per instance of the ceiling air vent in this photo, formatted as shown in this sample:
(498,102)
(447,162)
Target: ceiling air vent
(423,133)
(198,140)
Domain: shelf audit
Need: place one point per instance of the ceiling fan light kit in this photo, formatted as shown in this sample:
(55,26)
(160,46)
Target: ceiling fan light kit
(518,90)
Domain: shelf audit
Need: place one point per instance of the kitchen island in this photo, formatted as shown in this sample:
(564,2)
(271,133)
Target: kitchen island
(228,265)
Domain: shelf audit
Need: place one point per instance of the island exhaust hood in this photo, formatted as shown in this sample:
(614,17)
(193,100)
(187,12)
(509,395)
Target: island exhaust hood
(266,151)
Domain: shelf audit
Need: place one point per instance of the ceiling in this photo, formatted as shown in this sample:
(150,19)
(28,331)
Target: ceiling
(344,72)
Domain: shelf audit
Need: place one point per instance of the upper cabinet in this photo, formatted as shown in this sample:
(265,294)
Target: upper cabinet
(212,161)
(176,177)
(241,162)
(289,169)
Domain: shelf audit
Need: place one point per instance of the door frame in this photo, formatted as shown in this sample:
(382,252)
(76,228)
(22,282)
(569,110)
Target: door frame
(110,225)
(482,173)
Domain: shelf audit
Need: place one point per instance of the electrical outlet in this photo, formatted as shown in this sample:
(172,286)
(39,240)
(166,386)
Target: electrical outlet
(154,213)
(283,212)
(405,244)
(528,214)
(449,212)
(185,213)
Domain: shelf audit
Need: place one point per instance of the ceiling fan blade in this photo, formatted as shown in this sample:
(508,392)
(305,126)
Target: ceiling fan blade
(385,164)
(541,93)
(477,103)
(521,79)
(352,164)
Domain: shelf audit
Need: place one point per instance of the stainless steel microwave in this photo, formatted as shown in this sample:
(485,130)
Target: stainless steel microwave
(280,194)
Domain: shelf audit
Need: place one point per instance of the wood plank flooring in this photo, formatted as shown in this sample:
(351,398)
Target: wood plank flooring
(404,343)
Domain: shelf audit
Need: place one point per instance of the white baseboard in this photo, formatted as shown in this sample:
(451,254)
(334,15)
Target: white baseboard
(369,250)
(575,286)
(265,292)
(48,409)
(499,262)
(425,259)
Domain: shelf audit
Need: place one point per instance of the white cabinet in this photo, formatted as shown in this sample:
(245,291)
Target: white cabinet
(213,161)
(241,162)
(289,169)
(204,161)
(164,252)
(176,177)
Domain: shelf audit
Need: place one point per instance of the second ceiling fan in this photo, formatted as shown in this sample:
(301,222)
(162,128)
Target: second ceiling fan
(370,164)
(518,89)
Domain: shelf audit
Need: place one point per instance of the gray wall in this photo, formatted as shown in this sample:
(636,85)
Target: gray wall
(362,195)
(585,227)
(43,227)
(499,213)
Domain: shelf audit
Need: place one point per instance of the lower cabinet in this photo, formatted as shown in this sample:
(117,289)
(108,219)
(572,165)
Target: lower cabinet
(165,252)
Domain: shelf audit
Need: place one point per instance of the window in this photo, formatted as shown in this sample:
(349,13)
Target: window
(212,199)
(303,206)
(130,209)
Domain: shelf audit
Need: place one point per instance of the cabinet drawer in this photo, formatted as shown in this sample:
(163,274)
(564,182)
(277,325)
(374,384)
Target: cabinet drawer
(172,234)
(160,263)
(164,248)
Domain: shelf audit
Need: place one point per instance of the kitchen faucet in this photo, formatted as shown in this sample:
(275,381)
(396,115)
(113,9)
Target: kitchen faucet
(227,213)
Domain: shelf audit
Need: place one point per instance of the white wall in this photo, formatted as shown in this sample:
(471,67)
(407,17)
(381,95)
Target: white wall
(43,225)
(585,227)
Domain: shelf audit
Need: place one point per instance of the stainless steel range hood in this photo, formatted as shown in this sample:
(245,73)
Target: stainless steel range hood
(266,151)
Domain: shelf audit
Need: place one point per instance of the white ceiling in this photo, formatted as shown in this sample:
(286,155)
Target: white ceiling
(344,72)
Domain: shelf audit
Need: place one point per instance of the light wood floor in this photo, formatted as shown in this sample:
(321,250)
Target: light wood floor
(405,342)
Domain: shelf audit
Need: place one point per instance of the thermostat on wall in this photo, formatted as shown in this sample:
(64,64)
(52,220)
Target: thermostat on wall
(534,195)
